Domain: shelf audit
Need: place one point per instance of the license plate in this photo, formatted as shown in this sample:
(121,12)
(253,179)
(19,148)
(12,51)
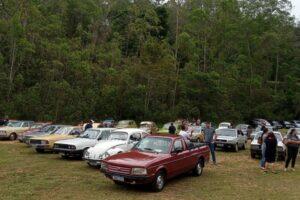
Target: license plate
(118,178)
(2,134)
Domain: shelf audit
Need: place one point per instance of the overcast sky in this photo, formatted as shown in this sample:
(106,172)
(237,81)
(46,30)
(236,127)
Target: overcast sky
(296,9)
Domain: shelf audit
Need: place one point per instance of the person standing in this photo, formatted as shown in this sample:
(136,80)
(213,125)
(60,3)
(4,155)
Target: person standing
(172,129)
(89,125)
(270,152)
(183,133)
(292,141)
(261,141)
(209,138)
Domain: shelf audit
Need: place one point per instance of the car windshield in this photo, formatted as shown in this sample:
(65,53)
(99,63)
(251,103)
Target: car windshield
(118,136)
(63,130)
(223,125)
(226,132)
(154,144)
(14,124)
(145,126)
(90,134)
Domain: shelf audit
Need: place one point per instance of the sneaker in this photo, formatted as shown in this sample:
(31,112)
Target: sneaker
(293,169)
(285,169)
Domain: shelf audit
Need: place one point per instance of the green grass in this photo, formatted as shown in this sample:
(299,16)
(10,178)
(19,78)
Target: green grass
(25,174)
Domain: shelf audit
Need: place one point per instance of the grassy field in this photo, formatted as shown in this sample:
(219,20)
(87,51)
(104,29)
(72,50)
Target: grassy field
(24,174)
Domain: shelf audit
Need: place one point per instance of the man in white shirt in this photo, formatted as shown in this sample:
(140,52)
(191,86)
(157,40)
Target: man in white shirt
(183,133)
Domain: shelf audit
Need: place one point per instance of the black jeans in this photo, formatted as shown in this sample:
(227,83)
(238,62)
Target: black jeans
(291,155)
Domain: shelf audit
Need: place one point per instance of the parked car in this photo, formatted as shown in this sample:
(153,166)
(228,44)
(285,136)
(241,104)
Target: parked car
(126,124)
(47,130)
(246,129)
(225,125)
(119,141)
(149,127)
(155,159)
(230,138)
(109,123)
(296,123)
(287,124)
(14,128)
(255,148)
(259,122)
(46,142)
(276,125)
(36,127)
(3,122)
(259,129)
(77,146)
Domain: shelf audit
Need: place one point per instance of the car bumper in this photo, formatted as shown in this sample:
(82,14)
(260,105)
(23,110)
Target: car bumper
(42,146)
(68,151)
(224,145)
(4,136)
(130,179)
(92,162)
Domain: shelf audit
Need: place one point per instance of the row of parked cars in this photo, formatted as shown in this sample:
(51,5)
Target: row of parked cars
(125,155)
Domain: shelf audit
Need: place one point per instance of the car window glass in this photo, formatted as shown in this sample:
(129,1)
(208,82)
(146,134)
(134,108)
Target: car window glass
(25,124)
(178,145)
(105,134)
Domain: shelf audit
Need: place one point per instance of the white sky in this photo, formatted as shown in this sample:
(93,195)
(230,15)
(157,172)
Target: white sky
(296,9)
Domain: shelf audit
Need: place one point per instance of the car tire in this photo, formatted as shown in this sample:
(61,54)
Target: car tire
(84,151)
(12,136)
(159,182)
(40,150)
(253,155)
(236,148)
(198,170)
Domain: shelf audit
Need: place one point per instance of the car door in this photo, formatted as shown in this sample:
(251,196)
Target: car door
(178,154)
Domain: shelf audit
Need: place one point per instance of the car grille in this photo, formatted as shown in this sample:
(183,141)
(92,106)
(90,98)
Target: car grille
(221,140)
(122,170)
(35,141)
(62,146)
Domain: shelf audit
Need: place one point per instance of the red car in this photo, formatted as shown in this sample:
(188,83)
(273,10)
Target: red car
(155,159)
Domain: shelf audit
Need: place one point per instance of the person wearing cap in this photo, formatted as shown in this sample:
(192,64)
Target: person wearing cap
(89,125)
(209,138)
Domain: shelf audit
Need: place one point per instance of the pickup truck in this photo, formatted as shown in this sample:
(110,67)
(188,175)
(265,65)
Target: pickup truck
(155,159)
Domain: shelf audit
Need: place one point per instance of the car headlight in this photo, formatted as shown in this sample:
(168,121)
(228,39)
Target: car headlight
(139,171)
(104,166)
(72,147)
(44,142)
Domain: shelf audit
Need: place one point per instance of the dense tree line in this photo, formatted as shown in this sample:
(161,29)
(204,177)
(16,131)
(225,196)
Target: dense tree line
(70,60)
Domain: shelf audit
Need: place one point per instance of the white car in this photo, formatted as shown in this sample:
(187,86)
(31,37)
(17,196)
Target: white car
(258,130)
(224,125)
(119,141)
(78,146)
(230,138)
(255,148)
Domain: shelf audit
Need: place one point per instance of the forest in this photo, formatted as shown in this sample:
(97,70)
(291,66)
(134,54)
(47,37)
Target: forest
(72,60)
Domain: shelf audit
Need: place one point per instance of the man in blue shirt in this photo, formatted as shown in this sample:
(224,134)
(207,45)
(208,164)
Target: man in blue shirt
(209,138)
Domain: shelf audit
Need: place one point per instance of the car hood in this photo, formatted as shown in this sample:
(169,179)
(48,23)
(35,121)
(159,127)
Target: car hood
(279,144)
(102,146)
(135,159)
(54,137)
(77,141)
(37,134)
(220,137)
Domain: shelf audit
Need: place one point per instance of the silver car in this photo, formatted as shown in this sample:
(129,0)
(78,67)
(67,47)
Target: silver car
(230,138)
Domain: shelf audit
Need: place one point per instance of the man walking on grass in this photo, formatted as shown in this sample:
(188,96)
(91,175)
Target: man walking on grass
(209,138)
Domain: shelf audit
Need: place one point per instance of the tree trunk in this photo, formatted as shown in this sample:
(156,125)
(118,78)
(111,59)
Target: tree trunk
(11,71)
(276,75)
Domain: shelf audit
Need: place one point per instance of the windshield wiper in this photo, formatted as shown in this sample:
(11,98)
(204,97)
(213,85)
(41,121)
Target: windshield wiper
(149,149)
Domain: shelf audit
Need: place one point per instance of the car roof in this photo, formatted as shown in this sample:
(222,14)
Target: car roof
(101,129)
(128,130)
(147,122)
(170,136)
(232,129)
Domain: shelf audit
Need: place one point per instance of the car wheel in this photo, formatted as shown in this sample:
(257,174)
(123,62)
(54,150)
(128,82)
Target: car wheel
(252,155)
(198,170)
(40,150)
(12,136)
(84,152)
(159,182)
(236,148)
